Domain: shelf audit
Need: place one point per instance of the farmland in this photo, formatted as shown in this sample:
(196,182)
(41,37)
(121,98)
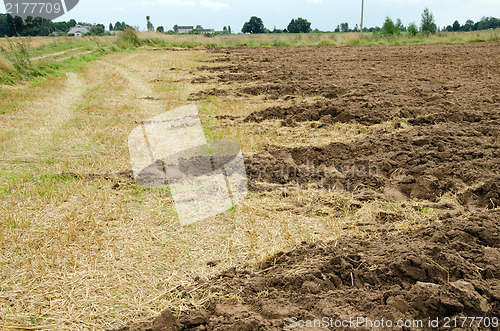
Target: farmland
(373,177)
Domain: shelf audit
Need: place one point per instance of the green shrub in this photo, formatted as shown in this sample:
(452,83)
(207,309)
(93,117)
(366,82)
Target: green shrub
(279,43)
(412,29)
(389,28)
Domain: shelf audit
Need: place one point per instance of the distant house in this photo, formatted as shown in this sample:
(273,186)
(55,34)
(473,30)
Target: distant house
(185,29)
(204,31)
(79,30)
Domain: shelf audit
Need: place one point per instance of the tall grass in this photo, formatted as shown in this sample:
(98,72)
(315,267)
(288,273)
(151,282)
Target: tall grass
(16,61)
(17,53)
(128,39)
(312,39)
(23,59)
(4,64)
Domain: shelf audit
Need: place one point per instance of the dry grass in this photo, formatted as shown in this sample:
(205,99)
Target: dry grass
(89,255)
(48,42)
(4,64)
(290,39)
(35,42)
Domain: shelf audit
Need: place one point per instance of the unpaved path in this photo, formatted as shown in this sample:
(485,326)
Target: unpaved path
(56,54)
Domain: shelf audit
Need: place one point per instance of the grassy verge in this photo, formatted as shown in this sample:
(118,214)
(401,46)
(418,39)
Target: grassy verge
(25,59)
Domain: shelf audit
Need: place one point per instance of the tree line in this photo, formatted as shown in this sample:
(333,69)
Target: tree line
(37,26)
(485,23)
(256,25)
(428,25)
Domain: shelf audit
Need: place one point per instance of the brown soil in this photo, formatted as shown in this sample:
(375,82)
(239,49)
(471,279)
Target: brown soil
(446,270)
(423,163)
(442,101)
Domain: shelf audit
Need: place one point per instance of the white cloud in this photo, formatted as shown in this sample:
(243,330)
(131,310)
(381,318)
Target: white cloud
(410,2)
(178,3)
(214,5)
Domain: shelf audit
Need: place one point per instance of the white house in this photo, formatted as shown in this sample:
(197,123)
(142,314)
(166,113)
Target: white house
(185,29)
(80,30)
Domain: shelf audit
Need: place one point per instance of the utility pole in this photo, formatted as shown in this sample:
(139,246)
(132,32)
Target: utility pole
(362,12)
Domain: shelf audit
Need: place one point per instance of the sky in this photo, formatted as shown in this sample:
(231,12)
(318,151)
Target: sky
(323,14)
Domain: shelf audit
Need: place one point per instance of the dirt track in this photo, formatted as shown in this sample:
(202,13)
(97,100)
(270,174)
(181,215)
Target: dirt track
(443,104)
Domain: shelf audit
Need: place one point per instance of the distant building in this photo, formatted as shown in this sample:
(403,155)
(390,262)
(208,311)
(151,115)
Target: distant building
(185,29)
(80,30)
(204,31)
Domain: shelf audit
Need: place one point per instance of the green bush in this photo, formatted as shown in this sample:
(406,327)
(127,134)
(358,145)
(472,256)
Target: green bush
(389,28)
(412,29)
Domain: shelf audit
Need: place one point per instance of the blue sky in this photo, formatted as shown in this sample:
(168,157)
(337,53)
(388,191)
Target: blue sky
(323,14)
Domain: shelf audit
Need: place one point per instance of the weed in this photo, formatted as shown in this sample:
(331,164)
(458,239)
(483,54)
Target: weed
(17,53)
(128,39)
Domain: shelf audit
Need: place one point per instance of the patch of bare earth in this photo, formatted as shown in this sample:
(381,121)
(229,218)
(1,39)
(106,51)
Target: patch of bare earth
(397,127)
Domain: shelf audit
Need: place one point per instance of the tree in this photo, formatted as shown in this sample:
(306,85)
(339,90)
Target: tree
(6,25)
(118,26)
(468,26)
(428,25)
(160,29)
(344,27)
(224,30)
(412,29)
(299,25)
(176,28)
(456,26)
(110,26)
(72,23)
(488,23)
(399,25)
(18,25)
(229,29)
(98,29)
(254,25)
(389,28)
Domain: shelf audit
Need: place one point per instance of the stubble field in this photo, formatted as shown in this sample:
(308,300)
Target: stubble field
(373,175)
